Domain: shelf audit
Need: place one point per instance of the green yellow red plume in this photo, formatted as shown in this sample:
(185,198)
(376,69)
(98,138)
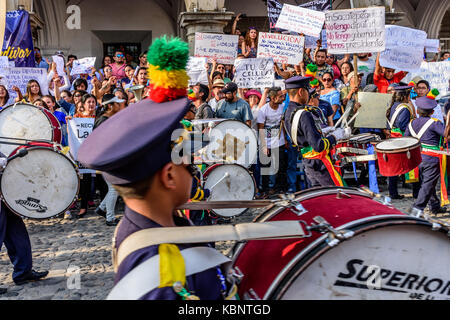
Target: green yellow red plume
(433,94)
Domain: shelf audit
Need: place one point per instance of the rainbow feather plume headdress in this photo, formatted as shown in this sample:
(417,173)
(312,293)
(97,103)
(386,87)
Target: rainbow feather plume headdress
(311,71)
(167,71)
(433,94)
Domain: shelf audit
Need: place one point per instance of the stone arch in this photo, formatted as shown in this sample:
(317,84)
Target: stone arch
(431,14)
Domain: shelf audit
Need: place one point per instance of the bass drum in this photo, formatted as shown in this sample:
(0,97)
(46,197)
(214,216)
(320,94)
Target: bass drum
(41,185)
(391,256)
(26,121)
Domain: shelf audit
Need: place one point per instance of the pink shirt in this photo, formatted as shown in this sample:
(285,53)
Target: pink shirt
(118,71)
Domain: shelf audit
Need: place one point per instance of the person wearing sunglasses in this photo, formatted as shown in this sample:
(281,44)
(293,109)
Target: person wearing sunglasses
(119,65)
(331,95)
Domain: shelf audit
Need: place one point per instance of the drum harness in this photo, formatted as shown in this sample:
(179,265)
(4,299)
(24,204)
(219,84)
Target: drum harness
(399,109)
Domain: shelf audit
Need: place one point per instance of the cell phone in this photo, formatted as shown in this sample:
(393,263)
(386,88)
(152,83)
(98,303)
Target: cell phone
(243,15)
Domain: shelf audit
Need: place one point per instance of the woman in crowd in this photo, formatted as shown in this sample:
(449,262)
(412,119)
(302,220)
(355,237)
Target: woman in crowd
(331,61)
(33,92)
(4,96)
(344,79)
(330,94)
(107,208)
(250,45)
(107,60)
(67,96)
(80,84)
(85,109)
(51,104)
(129,80)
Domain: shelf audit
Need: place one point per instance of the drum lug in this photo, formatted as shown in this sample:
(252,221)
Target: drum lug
(408,155)
(341,193)
(299,209)
(235,275)
(334,236)
(251,295)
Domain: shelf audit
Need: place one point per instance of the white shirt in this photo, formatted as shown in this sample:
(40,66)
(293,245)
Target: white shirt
(272,123)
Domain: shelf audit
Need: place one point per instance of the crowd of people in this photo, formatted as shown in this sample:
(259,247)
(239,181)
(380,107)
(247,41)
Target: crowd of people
(105,91)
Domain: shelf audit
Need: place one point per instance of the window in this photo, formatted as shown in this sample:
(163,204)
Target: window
(132,48)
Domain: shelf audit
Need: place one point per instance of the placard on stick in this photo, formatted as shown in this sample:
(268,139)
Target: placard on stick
(355,30)
(254,73)
(301,20)
(221,47)
(372,113)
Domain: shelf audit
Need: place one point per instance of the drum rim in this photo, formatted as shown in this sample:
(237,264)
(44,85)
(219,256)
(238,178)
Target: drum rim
(3,199)
(405,149)
(250,129)
(47,113)
(319,247)
(216,165)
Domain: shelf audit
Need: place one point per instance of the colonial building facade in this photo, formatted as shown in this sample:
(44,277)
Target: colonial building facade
(95,28)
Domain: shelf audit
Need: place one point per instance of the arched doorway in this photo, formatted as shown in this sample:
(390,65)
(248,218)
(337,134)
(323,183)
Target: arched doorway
(444,33)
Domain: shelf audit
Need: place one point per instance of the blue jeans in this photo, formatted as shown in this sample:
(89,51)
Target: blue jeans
(109,203)
(292,155)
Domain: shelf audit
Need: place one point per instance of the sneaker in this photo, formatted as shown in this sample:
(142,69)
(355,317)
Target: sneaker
(113,223)
(68,216)
(397,197)
(100,212)
(30,277)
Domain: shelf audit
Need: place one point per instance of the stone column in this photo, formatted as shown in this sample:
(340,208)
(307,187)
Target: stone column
(203,16)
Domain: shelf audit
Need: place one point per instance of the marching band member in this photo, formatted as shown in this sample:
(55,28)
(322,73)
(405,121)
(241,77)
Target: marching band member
(430,132)
(307,134)
(137,160)
(400,114)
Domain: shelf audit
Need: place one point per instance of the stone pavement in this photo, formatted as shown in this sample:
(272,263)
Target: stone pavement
(78,255)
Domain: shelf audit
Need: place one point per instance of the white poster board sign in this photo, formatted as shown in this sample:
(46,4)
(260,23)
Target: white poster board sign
(372,113)
(4,63)
(432,45)
(78,130)
(436,73)
(19,77)
(355,30)
(301,20)
(221,47)
(404,48)
(196,70)
(254,73)
(83,66)
(283,48)
(59,65)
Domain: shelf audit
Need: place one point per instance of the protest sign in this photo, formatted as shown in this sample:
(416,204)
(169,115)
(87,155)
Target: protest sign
(436,73)
(404,48)
(221,47)
(280,83)
(4,63)
(355,30)
(432,45)
(78,130)
(282,48)
(254,73)
(301,20)
(311,42)
(196,70)
(83,66)
(274,9)
(372,113)
(19,77)
(59,65)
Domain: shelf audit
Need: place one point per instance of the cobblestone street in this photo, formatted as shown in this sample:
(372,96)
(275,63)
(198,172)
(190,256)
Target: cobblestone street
(66,246)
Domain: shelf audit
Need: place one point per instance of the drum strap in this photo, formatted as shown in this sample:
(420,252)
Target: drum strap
(396,114)
(146,276)
(179,235)
(294,127)
(422,131)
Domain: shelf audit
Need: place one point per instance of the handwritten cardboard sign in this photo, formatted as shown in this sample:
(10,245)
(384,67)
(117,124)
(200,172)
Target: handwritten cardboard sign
(355,30)
(19,77)
(221,47)
(282,48)
(372,113)
(404,48)
(196,70)
(254,73)
(78,130)
(436,73)
(432,45)
(83,66)
(60,65)
(301,20)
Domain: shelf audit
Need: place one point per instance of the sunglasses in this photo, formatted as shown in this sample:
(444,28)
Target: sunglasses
(120,56)
(192,170)
(77,95)
(326,79)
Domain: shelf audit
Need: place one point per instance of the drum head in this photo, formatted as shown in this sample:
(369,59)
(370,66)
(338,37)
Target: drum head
(397,143)
(232,142)
(41,185)
(23,121)
(399,262)
(229,183)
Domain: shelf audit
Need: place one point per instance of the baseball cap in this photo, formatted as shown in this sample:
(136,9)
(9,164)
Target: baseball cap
(230,87)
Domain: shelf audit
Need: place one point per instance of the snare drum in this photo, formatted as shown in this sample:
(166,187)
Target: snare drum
(406,257)
(356,145)
(229,182)
(41,185)
(398,156)
(232,142)
(26,121)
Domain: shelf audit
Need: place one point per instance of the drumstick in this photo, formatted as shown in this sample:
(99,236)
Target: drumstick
(352,119)
(226,175)
(344,116)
